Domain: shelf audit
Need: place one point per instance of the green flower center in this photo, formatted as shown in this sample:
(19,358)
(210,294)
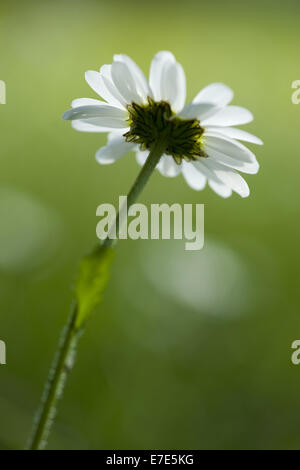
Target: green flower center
(147,122)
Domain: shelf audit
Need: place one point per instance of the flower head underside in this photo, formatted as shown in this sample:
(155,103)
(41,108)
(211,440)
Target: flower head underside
(202,142)
(148,121)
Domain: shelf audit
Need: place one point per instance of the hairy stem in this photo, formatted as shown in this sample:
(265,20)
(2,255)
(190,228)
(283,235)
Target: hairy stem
(62,364)
(65,355)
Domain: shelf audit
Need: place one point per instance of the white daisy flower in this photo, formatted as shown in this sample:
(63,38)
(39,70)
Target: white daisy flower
(203,145)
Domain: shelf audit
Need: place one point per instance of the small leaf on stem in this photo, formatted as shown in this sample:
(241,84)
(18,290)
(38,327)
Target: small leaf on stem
(92,278)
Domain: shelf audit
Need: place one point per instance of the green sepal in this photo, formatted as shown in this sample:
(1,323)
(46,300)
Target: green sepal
(93,275)
(148,121)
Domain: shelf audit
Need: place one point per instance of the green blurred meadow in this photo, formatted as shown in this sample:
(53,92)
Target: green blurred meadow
(188,349)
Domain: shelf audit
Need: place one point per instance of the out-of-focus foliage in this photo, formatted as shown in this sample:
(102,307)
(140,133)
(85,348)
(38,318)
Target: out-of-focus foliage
(188,350)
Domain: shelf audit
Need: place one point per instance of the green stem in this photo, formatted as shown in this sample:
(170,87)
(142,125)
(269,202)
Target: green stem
(61,366)
(65,356)
(141,180)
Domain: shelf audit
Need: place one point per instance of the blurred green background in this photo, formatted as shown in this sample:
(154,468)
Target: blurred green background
(188,350)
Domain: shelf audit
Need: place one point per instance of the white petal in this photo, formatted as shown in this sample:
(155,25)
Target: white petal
(213,180)
(229,116)
(193,177)
(168,167)
(198,111)
(233,133)
(173,85)
(250,168)
(92,78)
(156,72)
(141,156)
(140,79)
(89,125)
(229,147)
(215,93)
(86,102)
(102,115)
(84,126)
(90,111)
(116,147)
(231,153)
(220,188)
(200,165)
(102,84)
(229,177)
(125,82)
(108,89)
(109,123)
